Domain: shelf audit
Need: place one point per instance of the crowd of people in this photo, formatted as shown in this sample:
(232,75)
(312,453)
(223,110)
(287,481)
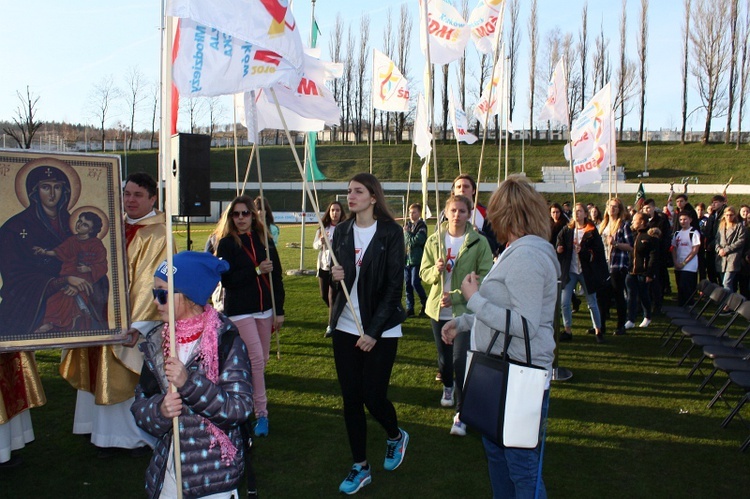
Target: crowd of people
(517,256)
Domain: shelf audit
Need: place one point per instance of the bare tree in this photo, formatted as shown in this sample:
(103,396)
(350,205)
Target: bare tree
(24,121)
(583,51)
(685,66)
(513,43)
(102,97)
(194,107)
(642,53)
(404,48)
(462,62)
(731,88)
(154,99)
(625,73)
(744,70)
(710,56)
(389,43)
(572,76)
(533,29)
(348,82)
(362,65)
(553,51)
(335,46)
(600,65)
(134,82)
(445,102)
(215,113)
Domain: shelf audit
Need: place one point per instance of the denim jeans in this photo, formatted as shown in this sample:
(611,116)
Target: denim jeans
(567,296)
(728,280)
(517,473)
(413,283)
(638,292)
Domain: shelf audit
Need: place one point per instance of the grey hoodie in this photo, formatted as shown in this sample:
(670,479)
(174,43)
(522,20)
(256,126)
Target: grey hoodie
(524,280)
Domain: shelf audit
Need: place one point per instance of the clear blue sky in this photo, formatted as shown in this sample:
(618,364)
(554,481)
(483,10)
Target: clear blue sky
(62,49)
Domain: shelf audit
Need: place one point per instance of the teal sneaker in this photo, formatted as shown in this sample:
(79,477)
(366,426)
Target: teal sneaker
(357,478)
(395,451)
(261,427)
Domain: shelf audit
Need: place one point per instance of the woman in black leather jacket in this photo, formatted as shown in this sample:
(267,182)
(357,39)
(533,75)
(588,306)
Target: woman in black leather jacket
(369,249)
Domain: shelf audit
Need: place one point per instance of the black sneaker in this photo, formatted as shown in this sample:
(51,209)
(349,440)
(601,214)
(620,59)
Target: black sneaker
(600,338)
(591,331)
(564,336)
(619,332)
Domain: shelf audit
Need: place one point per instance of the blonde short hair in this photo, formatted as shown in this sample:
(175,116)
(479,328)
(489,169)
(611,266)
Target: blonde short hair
(517,209)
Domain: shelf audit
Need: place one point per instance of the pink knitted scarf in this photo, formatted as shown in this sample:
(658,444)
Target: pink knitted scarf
(206,327)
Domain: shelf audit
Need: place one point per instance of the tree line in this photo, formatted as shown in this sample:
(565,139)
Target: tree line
(715,41)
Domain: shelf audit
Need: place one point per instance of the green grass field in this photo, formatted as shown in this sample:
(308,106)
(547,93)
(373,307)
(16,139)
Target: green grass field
(628,424)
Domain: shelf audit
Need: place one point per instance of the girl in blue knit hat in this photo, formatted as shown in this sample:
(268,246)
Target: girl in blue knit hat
(211,373)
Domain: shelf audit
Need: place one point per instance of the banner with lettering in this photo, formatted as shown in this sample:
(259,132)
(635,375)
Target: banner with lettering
(447,30)
(390,90)
(263,23)
(488,106)
(483,21)
(210,62)
(460,122)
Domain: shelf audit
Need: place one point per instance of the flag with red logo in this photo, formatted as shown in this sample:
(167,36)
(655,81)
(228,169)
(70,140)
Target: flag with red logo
(460,122)
(591,139)
(483,21)
(390,90)
(447,31)
(489,105)
(556,105)
(229,46)
(308,107)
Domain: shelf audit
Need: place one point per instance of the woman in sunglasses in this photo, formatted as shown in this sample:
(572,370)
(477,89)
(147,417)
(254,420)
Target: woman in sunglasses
(247,292)
(213,398)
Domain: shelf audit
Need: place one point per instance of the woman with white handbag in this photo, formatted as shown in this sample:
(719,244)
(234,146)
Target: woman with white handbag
(518,295)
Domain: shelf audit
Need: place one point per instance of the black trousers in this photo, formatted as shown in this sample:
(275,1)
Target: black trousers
(364,378)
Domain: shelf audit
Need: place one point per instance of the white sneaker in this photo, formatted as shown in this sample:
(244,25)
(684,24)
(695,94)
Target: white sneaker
(458,428)
(629,325)
(645,323)
(447,400)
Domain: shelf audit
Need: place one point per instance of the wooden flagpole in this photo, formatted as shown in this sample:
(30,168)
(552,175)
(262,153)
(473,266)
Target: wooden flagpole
(317,213)
(262,215)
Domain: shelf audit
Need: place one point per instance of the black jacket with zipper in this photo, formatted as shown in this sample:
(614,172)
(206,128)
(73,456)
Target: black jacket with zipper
(246,292)
(381,276)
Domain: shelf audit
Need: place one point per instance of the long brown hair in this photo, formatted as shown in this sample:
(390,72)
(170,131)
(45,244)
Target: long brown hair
(327,220)
(621,217)
(380,211)
(256,225)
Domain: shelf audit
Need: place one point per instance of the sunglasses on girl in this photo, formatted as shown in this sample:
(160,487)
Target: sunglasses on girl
(238,214)
(160,295)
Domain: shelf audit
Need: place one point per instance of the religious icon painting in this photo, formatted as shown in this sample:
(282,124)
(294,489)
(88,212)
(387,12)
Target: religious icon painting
(63,269)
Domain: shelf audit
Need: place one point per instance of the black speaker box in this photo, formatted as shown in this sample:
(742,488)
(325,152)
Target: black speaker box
(191,175)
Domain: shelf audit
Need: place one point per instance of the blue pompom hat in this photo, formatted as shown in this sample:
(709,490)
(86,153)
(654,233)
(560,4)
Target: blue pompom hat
(195,273)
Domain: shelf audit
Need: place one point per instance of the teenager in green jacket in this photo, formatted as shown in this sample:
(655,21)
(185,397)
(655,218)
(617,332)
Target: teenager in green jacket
(462,250)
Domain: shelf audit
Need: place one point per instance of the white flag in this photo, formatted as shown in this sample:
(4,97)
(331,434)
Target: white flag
(390,90)
(486,109)
(424,173)
(483,22)
(448,32)
(422,135)
(556,105)
(264,23)
(592,127)
(589,169)
(460,123)
(210,62)
(268,116)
